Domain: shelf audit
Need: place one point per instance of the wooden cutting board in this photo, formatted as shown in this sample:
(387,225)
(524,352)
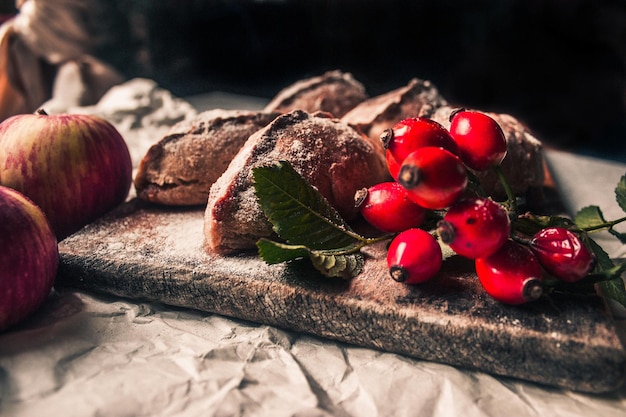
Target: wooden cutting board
(145,252)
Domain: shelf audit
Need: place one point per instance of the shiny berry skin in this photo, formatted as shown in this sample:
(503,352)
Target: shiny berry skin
(413,133)
(414,256)
(387,207)
(511,275)
(475,227)
(479,138)
(392,165)
(434,177)
(562,253)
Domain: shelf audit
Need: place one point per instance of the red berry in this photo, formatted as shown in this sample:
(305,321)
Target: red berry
(413,133)
(479,138)
(414,256)
(434,177)
(392,165)
(387,207)
(562,253)
(475,227)
(511,275)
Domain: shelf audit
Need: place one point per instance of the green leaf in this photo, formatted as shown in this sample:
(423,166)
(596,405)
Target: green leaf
(307,222)
(603,260)
(620,236)
(589,217)
(620,192)
(607,274)
(332,263)
(274,252)
(612,288)
(298,212)
(343,266)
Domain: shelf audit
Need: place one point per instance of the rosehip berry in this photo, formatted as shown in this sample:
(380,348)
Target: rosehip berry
(392,165)
(475,227)
(414,256)
(434,177)
(387,207)
(562,253)
(479,138)
(511,275)
(413,133)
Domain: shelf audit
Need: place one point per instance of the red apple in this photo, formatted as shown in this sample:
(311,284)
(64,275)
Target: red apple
(29,257)
(76,167)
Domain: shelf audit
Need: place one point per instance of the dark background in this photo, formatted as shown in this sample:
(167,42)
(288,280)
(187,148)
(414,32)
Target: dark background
(557,65)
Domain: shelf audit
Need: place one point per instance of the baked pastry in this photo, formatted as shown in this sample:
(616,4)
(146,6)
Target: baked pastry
(373,116)
(523,166)
(330,154)
(181,167)
(334,92)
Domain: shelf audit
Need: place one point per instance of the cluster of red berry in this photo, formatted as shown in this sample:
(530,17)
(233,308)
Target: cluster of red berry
(429,164)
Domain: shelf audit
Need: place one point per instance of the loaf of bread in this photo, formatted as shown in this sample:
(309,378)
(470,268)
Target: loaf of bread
(334,92)
(374,115)
(181,167)
(331,155)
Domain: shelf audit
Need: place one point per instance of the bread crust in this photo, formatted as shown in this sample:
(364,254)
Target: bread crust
(334,92)
(373,116)
(331,155)
(181,167)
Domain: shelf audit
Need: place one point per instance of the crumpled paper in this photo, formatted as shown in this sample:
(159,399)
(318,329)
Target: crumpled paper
(91,355)
(88,355)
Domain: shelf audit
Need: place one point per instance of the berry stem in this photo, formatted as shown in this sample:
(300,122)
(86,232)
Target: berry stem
(521,240)
(372,240)
(360,244)
(474,185)
(602,226)
(510,195)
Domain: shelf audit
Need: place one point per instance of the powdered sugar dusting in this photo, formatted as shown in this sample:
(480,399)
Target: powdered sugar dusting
(153,236)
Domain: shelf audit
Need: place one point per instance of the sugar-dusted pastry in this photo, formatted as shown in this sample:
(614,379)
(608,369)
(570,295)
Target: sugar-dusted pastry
(334,92)
(181,167)
(373,116)
(330,154)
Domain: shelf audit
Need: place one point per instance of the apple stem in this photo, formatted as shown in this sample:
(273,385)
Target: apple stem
(41,112)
